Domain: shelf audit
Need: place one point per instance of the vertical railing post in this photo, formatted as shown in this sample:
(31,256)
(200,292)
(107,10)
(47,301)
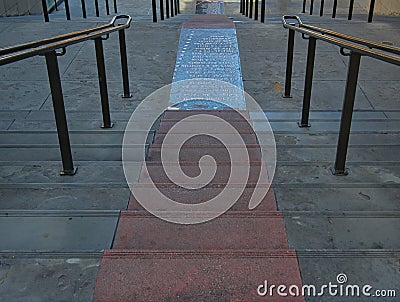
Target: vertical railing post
(171,6)
(251,9)
(166,8)
(371,11)
(101,70)
(312,42)
(334,8)
(83,4)
(321,9)
(162,9)
(289,64)
(304,6)
(107,8)
(247,8)
(179,6)
(124,64)
(351,7)
(255,9)
(154,10)
(45,12)
(243,7)
(115,7)
(311,7)
(96,6)
(262,11)
(347,114)
(67,12)
(59,113)
(176,7)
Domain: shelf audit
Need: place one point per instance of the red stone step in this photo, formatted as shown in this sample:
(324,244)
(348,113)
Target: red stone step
(154,276)
(202,195)
(194,153)
(232,230)
(155,173)
(205,140)
(206,126)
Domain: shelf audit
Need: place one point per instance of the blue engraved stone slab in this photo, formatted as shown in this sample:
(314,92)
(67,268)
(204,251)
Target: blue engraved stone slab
(201,105)
(210,7)
(208,53)
(207,72)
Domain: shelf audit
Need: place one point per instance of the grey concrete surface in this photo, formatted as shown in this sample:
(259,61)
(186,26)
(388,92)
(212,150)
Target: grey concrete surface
(337,224)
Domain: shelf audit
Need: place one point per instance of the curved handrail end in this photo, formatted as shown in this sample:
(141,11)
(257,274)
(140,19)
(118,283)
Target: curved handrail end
(291,17)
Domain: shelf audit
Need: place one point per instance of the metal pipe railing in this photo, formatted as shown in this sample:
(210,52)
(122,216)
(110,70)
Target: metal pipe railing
(250,8)
(356,48)
(171,8)
(334,9)
(83,8)
(50,49)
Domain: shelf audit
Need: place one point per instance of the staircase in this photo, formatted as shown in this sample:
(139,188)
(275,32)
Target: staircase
(219,260)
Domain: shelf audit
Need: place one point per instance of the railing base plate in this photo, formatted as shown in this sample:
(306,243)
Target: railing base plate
(105,127)
(344,172)
(68,172)
(303,125)
(126,96)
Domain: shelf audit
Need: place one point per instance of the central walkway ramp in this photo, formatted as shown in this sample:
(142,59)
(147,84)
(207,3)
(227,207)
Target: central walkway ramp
(224,259)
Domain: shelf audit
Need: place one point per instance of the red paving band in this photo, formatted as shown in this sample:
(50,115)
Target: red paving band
(224,259)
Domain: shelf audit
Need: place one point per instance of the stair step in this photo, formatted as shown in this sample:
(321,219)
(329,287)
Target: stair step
(193,153)
(206,140)
(194,276)
(232,230)
(206,126)
(155,173)
(203,195)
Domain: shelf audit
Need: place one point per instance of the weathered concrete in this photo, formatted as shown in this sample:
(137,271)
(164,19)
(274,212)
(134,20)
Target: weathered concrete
(343,216)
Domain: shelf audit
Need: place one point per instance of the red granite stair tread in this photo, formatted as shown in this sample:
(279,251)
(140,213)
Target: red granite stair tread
(196,127)
(151,276)
(155,173)
(205,140)
(232,230)
(198,196)
(194,153)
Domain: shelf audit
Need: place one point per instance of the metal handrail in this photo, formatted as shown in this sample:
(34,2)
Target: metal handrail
(334,10)
(172,8)
(345,41)
(39,47)
(48,48)
(83,6)
(246,8)
(356,48)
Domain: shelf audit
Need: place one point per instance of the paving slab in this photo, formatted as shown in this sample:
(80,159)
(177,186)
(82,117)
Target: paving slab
(57,233)
(376,268)
(338,199)
(64,198)
(49,173)
(346,230)
(45,279)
